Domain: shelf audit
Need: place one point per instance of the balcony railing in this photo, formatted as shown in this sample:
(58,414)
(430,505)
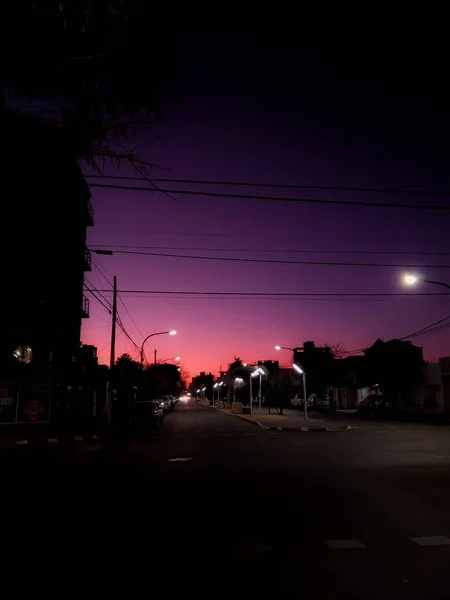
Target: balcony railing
(85,308)
(89,214)
(87,260)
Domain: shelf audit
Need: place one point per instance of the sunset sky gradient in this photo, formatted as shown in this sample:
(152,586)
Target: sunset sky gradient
(290,115)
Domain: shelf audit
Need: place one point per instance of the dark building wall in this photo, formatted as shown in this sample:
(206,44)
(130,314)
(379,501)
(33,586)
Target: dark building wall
(44,223)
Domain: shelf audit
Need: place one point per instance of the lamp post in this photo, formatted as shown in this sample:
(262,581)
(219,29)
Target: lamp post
(166,360)
(172,332)
(216,387)
(411,279)
(259,372)
(302,373)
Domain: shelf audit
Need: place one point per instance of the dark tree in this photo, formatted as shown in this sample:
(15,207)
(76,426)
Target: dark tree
(90,65)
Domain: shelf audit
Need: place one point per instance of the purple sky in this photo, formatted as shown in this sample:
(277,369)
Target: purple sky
(272,120)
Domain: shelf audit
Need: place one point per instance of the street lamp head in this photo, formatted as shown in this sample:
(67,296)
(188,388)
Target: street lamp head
(255,373)
(221,384)
(410,279)
(215,386)
(298,369)
(260,371)
(177,358)
(277,347)
(244,364)
(173,332)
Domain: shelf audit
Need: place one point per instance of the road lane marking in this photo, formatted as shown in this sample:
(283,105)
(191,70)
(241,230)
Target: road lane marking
(180,459)
(350,544)
(51,440)
(22,442)
(432,540)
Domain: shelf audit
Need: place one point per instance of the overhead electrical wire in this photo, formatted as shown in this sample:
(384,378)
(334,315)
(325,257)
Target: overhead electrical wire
(97,266)
(267,260)
(281,294)
(272,250)
(425,207)
(279,185)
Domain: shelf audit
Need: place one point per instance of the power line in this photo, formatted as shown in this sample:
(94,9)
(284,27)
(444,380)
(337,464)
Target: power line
(130,317)
(99,300)
(105,299)
(270,261)
(97,295)
(97,266)
(292,251)
(426,328)
(281,186)
(430,207)
(282,294)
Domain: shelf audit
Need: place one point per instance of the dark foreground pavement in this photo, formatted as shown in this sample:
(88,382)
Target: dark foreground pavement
(215,506)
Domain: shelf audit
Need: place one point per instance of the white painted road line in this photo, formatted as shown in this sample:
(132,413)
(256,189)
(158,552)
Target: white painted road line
(52,440)
(432,540)
(22,442)
(351,544)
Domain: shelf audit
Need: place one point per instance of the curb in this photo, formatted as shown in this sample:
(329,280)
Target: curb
(313,429)
(304,429)
(252,421)
(46,441)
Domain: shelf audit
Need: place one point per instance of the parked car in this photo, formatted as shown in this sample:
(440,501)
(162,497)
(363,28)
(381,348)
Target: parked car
(319,402)
(378,406)
(145,415)
(297,402)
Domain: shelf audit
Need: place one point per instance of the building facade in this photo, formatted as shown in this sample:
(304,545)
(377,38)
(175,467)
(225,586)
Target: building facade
(48,211)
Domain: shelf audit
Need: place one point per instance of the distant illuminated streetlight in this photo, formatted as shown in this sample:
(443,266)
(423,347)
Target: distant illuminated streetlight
(171,332)
(174,358)
(259,372)
(411,279)
(301,372)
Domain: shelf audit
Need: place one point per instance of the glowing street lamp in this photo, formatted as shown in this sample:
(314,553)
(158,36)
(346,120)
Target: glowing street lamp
(259,372)
(301,372)
(411,279)
(171,332)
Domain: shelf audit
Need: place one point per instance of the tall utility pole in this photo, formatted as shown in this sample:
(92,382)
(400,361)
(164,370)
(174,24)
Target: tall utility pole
(112,356)
(154,357)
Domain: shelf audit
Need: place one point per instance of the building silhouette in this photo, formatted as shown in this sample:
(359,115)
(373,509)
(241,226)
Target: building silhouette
(44,252)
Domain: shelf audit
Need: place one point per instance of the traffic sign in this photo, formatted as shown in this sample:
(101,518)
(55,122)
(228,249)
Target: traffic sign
(34,410)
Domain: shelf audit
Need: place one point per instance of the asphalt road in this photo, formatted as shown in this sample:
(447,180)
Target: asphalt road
(212,505)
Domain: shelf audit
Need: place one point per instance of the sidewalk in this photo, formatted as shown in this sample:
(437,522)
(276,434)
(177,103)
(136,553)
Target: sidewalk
(38,434)
(290,420)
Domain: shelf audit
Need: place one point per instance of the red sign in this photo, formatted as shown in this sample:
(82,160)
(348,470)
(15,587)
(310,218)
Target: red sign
(34,410)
